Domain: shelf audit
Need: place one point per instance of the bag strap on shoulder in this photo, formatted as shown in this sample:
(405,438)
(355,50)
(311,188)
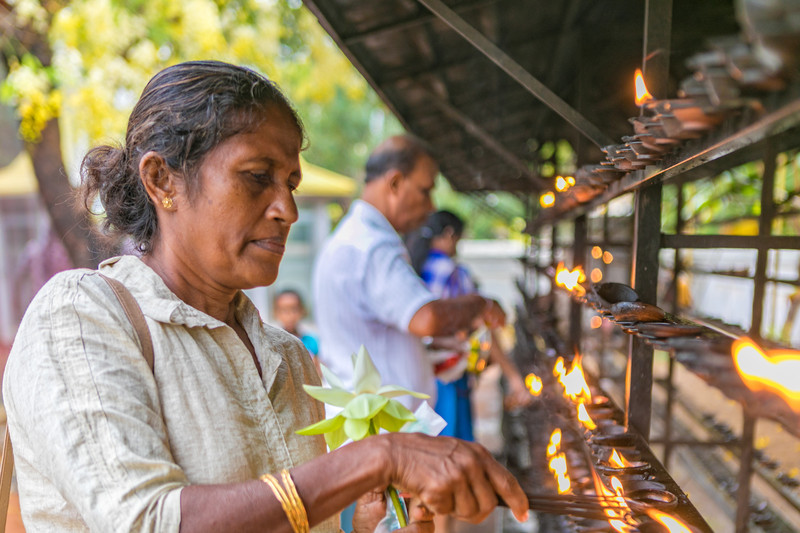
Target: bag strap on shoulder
(6,469)
(135,315)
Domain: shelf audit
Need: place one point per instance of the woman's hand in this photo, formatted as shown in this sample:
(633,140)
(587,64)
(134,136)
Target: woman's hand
(371,509)
(451,476)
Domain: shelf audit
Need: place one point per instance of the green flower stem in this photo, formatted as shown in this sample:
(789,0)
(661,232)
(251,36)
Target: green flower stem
(398,509)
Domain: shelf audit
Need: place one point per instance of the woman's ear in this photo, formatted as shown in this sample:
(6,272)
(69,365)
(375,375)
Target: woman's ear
(158,180)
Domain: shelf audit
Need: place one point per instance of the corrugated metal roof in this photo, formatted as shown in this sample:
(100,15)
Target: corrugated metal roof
(485,125)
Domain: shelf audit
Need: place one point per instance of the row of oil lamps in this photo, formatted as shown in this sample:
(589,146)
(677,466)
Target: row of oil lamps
(777,371)
(748,62)
(632,497)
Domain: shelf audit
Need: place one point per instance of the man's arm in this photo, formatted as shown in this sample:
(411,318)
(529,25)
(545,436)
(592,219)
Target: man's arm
(447,316)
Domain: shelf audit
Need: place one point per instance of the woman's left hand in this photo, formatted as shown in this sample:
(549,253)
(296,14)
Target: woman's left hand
(371,509)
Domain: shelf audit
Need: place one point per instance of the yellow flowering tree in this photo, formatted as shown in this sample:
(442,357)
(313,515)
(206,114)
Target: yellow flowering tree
(75,69)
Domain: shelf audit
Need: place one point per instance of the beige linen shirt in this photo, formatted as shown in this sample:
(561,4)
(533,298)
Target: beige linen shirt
(103,444)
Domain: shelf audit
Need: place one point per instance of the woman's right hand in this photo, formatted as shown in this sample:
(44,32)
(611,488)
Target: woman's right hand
(452,476)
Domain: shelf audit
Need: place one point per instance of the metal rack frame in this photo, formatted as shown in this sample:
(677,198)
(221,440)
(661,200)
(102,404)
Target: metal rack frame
(766,136)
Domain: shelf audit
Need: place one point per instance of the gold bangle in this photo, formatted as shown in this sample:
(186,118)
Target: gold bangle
(290,501)
(302,516)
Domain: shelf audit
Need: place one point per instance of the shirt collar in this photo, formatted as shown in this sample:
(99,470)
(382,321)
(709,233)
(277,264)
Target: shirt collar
(161,304)
(369,214)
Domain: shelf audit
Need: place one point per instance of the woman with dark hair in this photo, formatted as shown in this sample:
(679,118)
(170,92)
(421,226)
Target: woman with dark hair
(205,439)
(433,249)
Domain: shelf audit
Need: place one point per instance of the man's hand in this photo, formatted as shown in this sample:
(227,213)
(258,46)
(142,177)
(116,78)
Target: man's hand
(493,314)
(371,509)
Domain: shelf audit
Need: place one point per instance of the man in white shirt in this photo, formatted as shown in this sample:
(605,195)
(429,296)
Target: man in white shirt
(366,291)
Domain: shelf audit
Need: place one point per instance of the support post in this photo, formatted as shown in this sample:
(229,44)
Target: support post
(578,259)
(647,226)
(644,279)
(676,272)
(764,231)
(745,472)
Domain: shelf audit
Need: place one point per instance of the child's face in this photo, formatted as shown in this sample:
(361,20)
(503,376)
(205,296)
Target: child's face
(288,311)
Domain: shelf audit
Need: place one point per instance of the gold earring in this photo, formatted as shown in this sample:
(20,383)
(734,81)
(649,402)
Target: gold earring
(166,202)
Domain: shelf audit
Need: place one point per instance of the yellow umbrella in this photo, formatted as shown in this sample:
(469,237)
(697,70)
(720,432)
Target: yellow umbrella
(321,182)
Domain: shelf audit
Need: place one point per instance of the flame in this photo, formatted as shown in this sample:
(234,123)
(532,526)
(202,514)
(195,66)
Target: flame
(642,96)
(617,460)
(618,518)
(574,382)
(570,279)
(534,384)
(776,370)
(558,465)
(585,419)
(607,258)
(596,275)
(564,182)
(673,524)
(558,369)
(548,199)
(597,252)
(555,443)
(596,322)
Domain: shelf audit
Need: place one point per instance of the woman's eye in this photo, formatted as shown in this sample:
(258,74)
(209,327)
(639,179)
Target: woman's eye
(261,179)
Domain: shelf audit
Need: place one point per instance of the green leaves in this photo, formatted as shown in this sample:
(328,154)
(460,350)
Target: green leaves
(364,413)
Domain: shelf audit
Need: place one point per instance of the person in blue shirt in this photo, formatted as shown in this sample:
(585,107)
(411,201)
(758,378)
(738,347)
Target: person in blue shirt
(433,249)
(289,311)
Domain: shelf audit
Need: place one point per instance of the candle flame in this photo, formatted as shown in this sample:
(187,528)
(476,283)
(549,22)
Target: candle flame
(597,252)
(585,419)
(574,382)
(617,460)
(564,182)
(618,517)
(558,465)
(534,384)
(596,275)
(775,370)
(555,443)
(548,199)
(570,279)
(558,369)
(673,524)
(596,322)
(642,95)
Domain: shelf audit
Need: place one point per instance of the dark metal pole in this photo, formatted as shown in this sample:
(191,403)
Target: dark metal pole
(516,71)
(657,42)
(644,279)
(676,272)
(578,259)
(745,472)
(764,230)
(553,247)
(647,228)
(759,285)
